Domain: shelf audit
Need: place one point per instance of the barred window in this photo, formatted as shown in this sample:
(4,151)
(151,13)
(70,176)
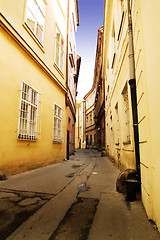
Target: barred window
(35,17)
(57,135)
(59,50)
(27,129)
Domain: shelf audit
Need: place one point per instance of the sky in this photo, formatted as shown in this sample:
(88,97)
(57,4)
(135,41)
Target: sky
(91,14)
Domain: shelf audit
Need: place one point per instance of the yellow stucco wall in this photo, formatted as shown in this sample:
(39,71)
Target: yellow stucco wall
(23,60)
(146,38)
(117,76)
(147,57)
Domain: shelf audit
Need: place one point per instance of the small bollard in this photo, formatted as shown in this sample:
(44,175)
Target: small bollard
(131,189)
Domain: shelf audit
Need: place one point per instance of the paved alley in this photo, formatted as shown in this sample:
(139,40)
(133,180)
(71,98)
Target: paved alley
(72,200)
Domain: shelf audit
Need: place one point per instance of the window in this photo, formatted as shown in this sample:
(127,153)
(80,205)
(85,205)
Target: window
(95,139)
(87,140)
(90,139)
(59,50)
(113,44)
(116,125)
(126,115)
(91,118)
(87,121)
(27,129)
(57,135)
(35,17)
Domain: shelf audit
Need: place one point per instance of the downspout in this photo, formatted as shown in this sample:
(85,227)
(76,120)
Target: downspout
(83,104)
(67,45)
(85,124)
(67,153)
(132,83)
(78,123)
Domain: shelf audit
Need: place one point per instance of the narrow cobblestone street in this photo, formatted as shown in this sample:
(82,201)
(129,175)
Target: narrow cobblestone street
(72,200)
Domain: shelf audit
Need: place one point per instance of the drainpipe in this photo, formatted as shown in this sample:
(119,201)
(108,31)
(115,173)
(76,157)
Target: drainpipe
(132,83)
(67,44)
(78,122)
(67,146)
(83,104)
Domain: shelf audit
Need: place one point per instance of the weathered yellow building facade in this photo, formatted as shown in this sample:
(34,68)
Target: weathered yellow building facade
(73,66)
(90,127)
(117,71)
(32,73)
(119,134)
(80,142)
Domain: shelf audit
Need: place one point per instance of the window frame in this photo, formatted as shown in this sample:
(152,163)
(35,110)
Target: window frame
(117,126)
(87,119)
(58,117)
(42,12)
(28,113)
(61,51)
(126,112)
(90,118)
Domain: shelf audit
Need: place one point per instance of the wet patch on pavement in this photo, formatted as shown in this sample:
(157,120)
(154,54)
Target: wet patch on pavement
(96,165)
(83,187)
(70,175)
(77,221)
(77,165)
(16,207)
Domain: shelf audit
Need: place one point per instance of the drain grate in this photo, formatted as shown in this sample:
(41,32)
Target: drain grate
(78,220)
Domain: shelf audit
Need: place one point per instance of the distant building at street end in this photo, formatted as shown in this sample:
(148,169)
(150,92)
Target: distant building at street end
(80,142)
(99,85)
(94,103)
(90,127)
(72,72)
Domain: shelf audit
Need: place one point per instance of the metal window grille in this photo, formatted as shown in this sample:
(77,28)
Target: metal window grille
(35,17)
(28,114)
(57,135)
